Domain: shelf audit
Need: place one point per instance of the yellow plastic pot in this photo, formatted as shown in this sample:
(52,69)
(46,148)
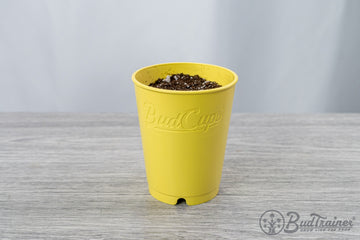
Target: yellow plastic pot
(184,132)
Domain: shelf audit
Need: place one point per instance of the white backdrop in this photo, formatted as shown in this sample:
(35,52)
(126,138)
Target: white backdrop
(78,55)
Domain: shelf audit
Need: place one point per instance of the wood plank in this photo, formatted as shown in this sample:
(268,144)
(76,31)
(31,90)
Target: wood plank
(82,176)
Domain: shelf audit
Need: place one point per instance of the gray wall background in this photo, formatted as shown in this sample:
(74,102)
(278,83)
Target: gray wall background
(72,55)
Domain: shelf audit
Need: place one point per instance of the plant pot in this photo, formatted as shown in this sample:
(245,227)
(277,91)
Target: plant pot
(184,133)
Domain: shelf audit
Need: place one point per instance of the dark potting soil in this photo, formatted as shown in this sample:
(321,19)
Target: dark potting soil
(184,82)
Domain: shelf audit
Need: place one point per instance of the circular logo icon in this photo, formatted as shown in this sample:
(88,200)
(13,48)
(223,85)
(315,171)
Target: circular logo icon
(272,222)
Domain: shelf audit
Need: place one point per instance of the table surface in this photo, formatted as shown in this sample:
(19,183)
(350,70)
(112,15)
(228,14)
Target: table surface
(82,176)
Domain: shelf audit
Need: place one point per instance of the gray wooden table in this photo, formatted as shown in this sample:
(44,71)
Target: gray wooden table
(82,176)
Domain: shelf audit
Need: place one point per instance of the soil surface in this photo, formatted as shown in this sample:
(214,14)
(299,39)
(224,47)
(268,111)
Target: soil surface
(184,82)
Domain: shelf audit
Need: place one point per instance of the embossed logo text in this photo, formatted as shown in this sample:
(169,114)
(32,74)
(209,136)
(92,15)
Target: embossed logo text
(192,120)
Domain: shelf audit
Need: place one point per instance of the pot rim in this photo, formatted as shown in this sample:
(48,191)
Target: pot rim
(181,92)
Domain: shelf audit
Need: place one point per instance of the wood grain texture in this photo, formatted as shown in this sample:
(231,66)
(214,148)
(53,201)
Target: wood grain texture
(82,176)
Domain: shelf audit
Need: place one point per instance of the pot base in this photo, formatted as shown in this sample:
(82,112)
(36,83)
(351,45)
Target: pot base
(190,200)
